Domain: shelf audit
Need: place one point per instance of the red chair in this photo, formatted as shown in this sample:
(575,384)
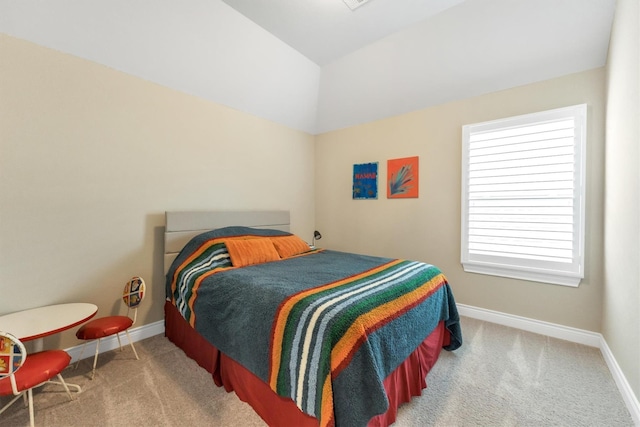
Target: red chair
(19,373)
(102,327)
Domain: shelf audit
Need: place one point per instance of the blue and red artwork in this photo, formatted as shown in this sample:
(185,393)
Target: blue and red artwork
(365,181)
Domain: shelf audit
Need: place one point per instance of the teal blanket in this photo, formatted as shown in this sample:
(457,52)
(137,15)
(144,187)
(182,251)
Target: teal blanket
(323,329)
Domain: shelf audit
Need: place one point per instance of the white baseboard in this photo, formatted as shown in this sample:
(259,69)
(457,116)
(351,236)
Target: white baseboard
(621,381)
(111,342)
(579,336)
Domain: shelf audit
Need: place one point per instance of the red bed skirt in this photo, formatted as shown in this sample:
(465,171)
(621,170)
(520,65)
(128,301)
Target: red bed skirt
(401,385)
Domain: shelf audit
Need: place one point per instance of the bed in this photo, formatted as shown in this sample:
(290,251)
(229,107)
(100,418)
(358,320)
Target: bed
(306,336)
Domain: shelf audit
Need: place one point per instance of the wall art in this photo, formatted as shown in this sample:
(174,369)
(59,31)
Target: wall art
(365,181)
(402,178)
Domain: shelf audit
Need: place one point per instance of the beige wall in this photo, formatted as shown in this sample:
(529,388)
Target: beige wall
(428,228)
(621,302)
(90,158)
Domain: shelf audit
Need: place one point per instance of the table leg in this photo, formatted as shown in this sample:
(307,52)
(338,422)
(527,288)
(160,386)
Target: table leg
(38,345)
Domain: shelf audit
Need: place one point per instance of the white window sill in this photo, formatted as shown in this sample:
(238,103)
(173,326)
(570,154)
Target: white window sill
(531,275)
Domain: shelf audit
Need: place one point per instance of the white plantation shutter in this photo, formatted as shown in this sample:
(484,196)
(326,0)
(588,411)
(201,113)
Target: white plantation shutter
(523,189)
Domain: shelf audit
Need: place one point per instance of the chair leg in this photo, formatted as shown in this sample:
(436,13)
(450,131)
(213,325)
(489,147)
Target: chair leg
(4,408)
(74,386)
(66,388)
(30,393)
(131,343)
(95,358)
(28,399)
(81,353)
(119,342)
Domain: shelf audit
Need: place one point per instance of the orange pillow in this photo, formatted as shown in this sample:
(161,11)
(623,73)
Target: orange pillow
(245,252)
(288,246)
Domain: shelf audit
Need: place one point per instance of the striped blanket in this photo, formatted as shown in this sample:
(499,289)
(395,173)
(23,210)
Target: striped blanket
(209,259)
(317,331)
(205,255)
(324,329)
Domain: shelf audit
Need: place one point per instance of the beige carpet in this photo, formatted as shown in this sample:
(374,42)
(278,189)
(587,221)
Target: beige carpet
(499,377)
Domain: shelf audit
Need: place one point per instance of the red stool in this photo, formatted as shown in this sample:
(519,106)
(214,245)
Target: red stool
(102,327)
(20,374)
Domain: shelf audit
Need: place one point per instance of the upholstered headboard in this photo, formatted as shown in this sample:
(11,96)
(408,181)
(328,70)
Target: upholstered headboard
(181,226)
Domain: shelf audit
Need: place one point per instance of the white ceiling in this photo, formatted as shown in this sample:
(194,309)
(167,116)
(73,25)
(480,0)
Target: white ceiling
(317,66)
(325,30)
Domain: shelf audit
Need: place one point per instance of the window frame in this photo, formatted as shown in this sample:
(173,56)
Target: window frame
(519,268)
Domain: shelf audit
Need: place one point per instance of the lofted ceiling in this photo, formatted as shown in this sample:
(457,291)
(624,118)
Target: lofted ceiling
(389,57)
(316,65)
(325,30)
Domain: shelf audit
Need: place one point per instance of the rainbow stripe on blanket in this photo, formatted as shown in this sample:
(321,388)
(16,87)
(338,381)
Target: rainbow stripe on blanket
(318,331)
(210,258)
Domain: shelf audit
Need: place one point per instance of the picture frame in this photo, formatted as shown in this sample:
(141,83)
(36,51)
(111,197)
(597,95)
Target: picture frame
(403,178)
(365,181)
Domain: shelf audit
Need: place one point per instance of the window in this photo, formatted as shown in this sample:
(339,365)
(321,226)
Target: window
(523,191)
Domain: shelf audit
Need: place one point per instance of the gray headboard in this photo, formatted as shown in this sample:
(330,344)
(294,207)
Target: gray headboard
(181,226)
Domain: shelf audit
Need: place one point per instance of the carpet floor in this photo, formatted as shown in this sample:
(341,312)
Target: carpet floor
(499,377)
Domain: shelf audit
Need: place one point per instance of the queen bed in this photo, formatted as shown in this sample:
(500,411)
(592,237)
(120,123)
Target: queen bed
(306,336)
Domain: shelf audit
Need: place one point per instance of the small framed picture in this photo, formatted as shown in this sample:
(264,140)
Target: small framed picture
(402,178)
(365,181)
